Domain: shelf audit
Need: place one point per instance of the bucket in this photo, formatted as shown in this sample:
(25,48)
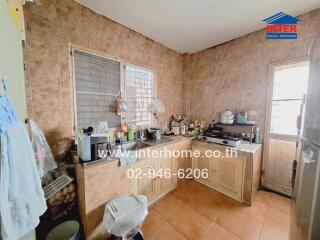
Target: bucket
(64,231)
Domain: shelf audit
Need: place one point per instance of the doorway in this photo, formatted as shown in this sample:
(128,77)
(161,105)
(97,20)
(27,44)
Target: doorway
(286,96)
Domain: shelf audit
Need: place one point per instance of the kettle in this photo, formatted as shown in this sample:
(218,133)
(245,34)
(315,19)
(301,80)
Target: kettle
(227,117)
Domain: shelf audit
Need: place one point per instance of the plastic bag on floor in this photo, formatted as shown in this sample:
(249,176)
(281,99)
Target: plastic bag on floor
(124,216)
(42,151)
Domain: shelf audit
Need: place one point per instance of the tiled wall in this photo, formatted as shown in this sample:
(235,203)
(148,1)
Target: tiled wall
(234,75)
(51,26)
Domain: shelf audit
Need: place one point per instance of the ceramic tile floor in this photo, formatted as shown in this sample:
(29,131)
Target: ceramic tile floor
(196,212)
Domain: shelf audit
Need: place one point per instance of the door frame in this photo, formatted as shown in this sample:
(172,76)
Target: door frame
(267,135)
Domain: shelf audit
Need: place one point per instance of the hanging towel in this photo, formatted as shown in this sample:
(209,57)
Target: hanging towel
(22,199)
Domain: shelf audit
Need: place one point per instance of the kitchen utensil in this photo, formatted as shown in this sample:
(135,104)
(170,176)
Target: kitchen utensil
(152,133)
(176,130)
(131,134)
(257,138)
(156,107)
(103,127)
(158,135)
(227,117)
(122,106)
(242,117)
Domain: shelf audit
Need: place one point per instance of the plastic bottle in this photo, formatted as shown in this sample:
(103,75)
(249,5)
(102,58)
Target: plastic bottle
(257,138)
(131,133)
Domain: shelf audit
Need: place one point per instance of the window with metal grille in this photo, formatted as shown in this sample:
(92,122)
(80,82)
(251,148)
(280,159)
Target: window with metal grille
(139,93)
(97,86)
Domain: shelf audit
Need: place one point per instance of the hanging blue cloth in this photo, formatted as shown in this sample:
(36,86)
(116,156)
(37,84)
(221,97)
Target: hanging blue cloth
(22,199)
(8,116)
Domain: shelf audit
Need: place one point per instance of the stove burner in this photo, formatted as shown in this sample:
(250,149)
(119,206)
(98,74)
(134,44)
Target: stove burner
(221,137)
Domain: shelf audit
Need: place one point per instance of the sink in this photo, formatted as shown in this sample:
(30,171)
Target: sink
(134,146)
(155,142)
(127,153)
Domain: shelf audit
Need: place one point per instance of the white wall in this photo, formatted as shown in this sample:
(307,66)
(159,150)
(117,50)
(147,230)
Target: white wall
(11,63)
(11,56)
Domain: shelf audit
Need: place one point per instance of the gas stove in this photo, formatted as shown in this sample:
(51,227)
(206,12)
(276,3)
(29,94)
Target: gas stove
(222,138)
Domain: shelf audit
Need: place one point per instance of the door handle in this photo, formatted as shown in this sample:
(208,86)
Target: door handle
(294,171)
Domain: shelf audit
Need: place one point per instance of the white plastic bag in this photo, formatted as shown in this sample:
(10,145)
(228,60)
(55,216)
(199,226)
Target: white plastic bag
(130,218)
(42,151)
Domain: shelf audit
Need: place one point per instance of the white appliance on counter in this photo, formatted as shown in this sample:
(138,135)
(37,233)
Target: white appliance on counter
(90,146)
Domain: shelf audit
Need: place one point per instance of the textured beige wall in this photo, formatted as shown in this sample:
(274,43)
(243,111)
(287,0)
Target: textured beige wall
(201,85)
(51,26)
(234,75)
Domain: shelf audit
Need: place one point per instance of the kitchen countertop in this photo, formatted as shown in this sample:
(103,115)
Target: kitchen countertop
(169,140)
(243,147)
(153,144)
(249,147)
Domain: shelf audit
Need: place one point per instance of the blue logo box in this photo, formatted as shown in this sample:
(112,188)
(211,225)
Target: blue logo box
(282,35)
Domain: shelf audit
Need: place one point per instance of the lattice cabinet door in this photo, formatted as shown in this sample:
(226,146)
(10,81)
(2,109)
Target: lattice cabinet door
(167,175)
(230,175)
(202,163)
(144,183)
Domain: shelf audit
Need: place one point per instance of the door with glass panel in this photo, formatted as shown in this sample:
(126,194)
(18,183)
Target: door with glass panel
(286,95)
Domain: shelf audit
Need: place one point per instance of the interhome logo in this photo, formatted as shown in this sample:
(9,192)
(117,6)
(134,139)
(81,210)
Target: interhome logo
(281,26)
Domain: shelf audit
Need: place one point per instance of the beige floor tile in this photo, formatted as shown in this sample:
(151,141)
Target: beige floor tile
(232,206)
(240,224)
(185,193)
(207,206)
(194,186)
(187,220)
(280,203)
(164,232)
(168,206)
(152,222)
(271,233)
(216,232)
(277,219)
(220,198)
(263,196)
(202,200)
(194,211)
(256,210)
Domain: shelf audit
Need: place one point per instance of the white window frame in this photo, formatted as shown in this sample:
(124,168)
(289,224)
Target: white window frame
(154,94)
(267,135)
(271,70)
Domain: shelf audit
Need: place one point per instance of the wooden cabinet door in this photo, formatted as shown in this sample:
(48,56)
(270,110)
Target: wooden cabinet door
(213,172)
(167,175)
(230,175)
(143,183)
(202,163)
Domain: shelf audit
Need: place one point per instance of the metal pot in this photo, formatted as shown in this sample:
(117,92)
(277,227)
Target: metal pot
(152,133)
(227,117)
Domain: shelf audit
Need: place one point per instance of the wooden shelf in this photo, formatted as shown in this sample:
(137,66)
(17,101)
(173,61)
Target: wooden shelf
(237,124)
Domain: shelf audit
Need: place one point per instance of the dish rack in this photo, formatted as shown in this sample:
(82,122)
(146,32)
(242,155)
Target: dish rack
(56,185)
(60,195)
